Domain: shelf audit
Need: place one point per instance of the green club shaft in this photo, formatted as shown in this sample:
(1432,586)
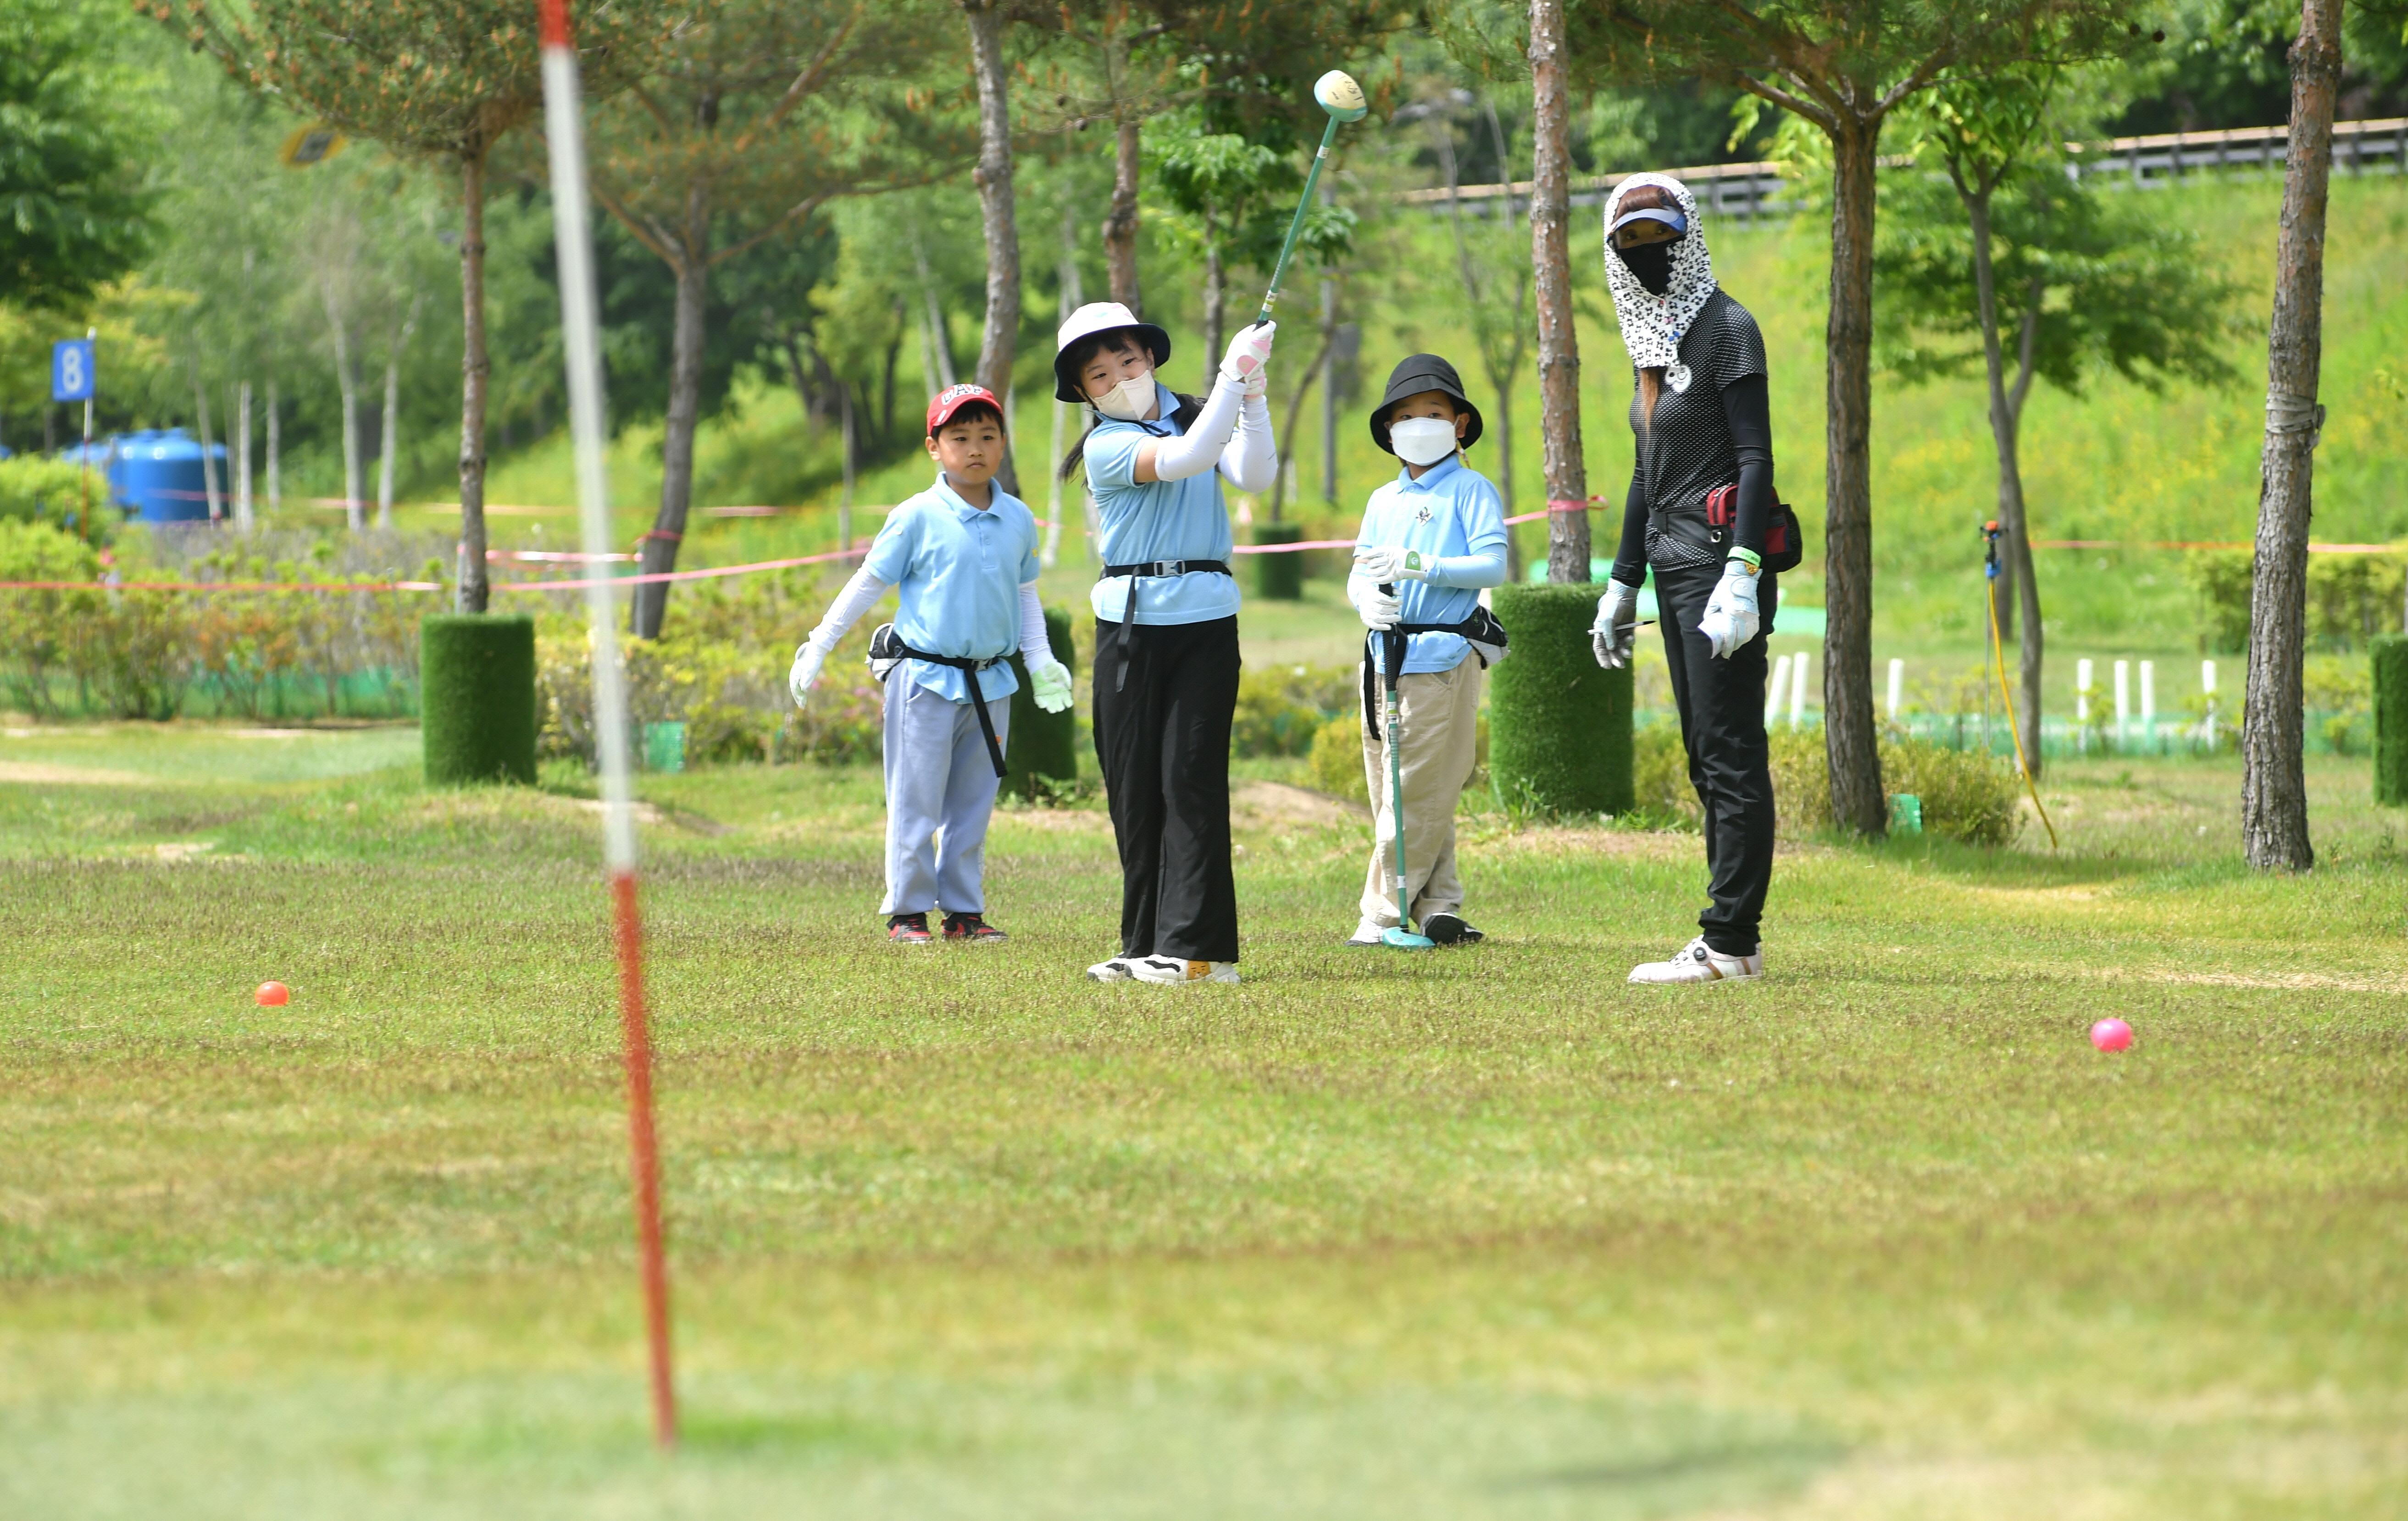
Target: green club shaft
(1296,224)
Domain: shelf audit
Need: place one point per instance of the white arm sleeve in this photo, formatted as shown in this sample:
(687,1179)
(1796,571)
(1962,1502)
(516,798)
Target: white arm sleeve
(1195,451)
(859,595)
(1035,647)
(1252,459)
(1485,567)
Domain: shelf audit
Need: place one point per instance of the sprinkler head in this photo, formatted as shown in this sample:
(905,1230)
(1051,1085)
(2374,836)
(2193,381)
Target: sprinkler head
(1340,97)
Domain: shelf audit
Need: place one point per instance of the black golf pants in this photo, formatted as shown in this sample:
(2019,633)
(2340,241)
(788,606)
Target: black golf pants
(1163,738)
(1722,727)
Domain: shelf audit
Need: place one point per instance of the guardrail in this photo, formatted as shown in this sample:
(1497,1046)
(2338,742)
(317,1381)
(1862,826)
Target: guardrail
(1748,191)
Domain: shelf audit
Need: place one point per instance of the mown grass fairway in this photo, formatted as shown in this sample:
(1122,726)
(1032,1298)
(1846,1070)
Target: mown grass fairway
(1471,1234)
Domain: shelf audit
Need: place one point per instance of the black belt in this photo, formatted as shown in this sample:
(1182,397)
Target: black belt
(1480,627)
(892,648)
(1128,610)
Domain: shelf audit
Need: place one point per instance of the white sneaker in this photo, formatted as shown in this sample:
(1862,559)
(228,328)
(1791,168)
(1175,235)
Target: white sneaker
(1118,970)
(1368,933)
(1168,972)
(1695,963)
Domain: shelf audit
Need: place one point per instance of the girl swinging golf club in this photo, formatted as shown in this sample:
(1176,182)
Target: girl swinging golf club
(1702,513)
(1166,627)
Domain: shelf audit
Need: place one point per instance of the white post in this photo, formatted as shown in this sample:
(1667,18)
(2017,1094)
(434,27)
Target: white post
(2149,701)
(2207,686)
(2083,676)
(1798,677)
(1897,689)
(242,505)
(2123,699)
(1780,680)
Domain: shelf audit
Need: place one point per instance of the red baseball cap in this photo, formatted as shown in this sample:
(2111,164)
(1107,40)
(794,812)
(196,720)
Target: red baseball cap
(952,398)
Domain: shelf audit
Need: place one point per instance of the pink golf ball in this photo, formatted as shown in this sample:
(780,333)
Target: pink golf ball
(2110,1035)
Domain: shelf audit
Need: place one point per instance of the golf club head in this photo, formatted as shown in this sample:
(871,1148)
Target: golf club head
(1400,939)
(1340,97)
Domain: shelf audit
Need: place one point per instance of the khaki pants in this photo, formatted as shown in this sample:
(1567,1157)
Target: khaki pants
(1440,723)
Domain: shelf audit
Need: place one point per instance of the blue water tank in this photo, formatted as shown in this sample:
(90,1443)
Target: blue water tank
(157,475)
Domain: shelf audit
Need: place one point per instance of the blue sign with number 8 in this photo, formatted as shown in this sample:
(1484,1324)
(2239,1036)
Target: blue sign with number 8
(71,375)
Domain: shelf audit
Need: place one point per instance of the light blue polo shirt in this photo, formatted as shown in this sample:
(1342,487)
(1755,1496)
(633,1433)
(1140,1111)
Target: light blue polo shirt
(958,571)
(1163,520)
(1451,511)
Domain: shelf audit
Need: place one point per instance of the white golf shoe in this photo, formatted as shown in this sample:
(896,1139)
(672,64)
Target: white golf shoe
(1118,970)
(1695,963)
(1170,971)
(1366,933)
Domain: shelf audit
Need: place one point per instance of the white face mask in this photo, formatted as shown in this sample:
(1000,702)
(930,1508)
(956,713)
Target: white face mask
(1128,401)
(1422,440)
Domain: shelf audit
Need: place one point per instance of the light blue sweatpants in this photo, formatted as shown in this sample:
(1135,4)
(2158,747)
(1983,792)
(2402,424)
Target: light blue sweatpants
(939,794)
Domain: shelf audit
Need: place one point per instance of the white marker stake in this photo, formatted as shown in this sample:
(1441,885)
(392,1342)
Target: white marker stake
(580,333)
(1780,680)
(2083,675)
(1798,677)
(2123,699)
(1897,689)
(2207,686)
(2149,701)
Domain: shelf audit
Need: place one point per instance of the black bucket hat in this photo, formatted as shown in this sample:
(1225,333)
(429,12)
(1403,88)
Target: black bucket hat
(1414,375)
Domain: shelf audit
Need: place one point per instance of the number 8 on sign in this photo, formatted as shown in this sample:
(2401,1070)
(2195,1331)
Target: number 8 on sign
(71,370)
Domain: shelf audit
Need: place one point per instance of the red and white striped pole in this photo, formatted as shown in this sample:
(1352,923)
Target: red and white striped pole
(580,332)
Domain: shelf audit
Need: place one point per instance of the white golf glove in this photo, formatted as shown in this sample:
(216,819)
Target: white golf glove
(1378,563)
(1730,618)
(809,658)
(1049,684)
(1381,610)
(1617,623)
(1250,350)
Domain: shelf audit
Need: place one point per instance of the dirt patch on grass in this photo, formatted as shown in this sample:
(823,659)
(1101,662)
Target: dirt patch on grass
(39,774)
(2279,980)
(1271,805)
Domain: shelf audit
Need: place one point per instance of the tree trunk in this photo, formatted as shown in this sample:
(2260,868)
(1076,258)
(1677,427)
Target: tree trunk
(475,369)
(391,428)
(1559,419)
(209,462)
(346,386)
(1120,227)
(1066,301)
(1848,719)
(1216,304)
(2005,419)
(243,516)
(659,550)
(1002,228)
(275,450)
(2274,787)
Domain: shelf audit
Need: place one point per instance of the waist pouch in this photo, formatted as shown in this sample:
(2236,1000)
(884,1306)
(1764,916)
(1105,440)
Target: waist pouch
(1128,610)
(1481,631)
(887,651)
(1710,529)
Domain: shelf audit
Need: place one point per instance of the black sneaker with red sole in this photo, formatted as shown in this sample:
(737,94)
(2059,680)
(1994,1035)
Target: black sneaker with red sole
(972,929)
(907,929)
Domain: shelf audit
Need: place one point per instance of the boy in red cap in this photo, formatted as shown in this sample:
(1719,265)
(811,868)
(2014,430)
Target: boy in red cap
(964,556)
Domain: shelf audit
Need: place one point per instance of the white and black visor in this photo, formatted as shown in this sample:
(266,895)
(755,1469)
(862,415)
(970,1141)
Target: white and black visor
(1670,218)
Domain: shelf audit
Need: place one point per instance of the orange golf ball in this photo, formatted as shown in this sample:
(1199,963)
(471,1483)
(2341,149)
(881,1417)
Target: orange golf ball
(273,995)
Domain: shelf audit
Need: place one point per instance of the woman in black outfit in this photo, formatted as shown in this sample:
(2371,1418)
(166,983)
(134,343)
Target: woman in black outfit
(1703,420)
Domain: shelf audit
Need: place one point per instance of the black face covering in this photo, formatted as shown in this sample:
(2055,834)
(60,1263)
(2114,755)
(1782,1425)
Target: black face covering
(1653,264)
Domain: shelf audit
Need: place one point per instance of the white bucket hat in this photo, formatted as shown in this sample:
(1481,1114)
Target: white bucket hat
(1101,317)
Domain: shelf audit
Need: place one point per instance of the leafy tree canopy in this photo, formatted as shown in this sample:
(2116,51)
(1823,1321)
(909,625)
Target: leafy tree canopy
(75,122)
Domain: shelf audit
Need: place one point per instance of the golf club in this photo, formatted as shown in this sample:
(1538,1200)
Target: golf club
(1400,936)
(1342,98)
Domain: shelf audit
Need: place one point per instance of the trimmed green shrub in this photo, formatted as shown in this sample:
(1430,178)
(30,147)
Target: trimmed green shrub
(476,695)
(1042,744)
(1338,759)
(1279,578)
(37,488)
(1560,725)
(1281,708)
(2351,598)
(2389,671)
